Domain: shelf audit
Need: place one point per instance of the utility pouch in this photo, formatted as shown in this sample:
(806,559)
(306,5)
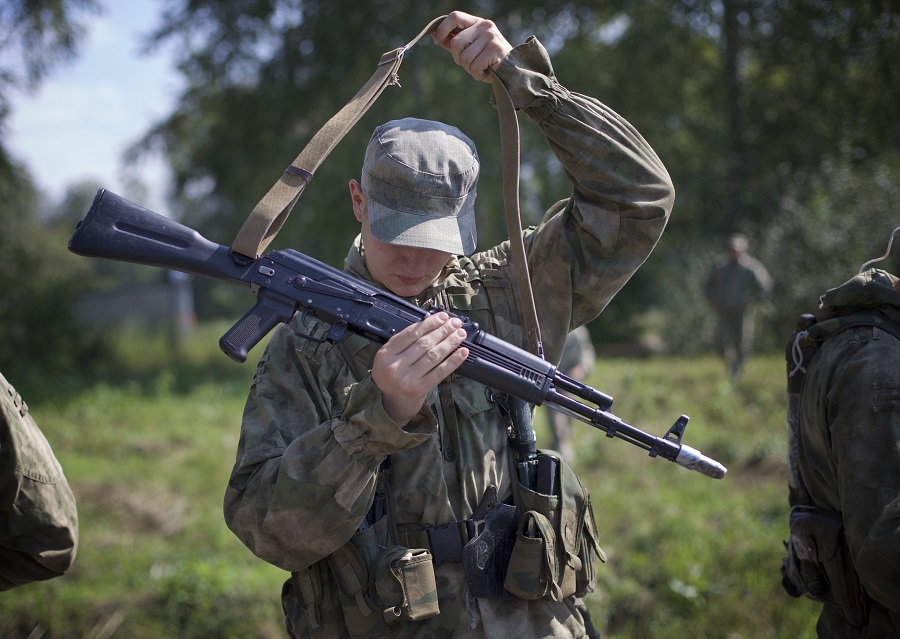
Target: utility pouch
(300,598)
(533,570)
(352,576)
(404,584)
(380,583)
(563,522)
(486,555)
(818,563)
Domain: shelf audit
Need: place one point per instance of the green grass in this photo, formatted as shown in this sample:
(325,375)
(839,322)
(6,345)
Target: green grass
(690,556)
(148,454)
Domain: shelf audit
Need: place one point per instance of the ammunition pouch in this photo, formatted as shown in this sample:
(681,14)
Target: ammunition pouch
(818,565)
(378,584)
(556,548)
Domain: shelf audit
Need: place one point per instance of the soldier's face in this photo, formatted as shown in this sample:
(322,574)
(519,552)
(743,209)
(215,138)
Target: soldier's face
(404,270)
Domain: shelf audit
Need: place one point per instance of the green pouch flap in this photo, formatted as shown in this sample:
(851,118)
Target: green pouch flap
(533,567)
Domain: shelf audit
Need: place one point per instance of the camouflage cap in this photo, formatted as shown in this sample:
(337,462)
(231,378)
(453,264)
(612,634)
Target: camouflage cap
(420,177)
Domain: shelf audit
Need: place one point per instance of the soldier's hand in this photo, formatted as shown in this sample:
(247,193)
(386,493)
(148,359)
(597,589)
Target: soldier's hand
(476,43)
(414,361)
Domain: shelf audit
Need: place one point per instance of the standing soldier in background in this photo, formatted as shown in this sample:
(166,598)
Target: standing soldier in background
(38,519)
(577,362)
(733,285)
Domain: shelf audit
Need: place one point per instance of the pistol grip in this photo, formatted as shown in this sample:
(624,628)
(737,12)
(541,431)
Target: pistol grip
(270,311)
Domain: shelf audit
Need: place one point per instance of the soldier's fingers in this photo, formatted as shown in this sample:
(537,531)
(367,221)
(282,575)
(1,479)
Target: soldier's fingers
(443,370)
(411,335)
(437,346)
(451,26)
(480,48)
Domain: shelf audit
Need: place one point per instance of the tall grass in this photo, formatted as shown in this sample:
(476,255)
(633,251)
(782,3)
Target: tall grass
(148,447)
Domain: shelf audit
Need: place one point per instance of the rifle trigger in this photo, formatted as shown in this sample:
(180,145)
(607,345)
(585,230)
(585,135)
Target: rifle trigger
(336,332)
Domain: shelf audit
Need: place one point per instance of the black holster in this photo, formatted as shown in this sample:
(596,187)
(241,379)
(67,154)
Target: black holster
(818,564)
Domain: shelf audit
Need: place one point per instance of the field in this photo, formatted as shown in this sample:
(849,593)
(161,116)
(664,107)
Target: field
(148,452)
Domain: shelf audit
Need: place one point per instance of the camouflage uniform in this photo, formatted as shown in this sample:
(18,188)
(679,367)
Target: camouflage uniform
(38,519)
(314,430)
(849,446)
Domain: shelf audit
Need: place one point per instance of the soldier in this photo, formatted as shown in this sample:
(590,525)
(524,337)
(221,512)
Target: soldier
(377,476)
(844,548)
(38,518)
(577,362)
(733,285)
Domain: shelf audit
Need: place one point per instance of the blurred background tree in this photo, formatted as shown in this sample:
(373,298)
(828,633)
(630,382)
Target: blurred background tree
(754,105)
(775,119)
(39,282)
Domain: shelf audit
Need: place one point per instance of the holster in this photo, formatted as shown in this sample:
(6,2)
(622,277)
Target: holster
(818,564)
(486,556)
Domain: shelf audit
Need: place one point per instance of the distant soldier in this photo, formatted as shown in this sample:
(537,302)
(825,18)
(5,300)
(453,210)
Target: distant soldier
(577,362)
(38,518)
(733,285)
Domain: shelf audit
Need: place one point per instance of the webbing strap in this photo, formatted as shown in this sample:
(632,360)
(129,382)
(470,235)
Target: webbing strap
(270,213)
(510,151)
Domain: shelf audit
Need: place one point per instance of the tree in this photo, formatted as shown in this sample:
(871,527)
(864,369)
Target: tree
(747,102)
(35,36)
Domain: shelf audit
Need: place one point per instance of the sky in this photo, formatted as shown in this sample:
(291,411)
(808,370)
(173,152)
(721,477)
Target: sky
(79,122)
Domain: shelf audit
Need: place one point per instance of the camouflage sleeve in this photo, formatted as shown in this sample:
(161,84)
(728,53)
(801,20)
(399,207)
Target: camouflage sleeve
(863,409)
(588,246)
(38,517)
(312,439)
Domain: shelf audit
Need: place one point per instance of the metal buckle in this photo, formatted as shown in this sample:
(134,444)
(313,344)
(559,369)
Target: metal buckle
(394,55)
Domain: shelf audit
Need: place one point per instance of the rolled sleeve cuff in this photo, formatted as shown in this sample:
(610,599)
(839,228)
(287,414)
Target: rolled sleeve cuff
(367,433)
(527,74)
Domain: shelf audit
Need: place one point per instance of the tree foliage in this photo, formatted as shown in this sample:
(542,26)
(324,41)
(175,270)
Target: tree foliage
(752,104)
(35,36)
(39,281)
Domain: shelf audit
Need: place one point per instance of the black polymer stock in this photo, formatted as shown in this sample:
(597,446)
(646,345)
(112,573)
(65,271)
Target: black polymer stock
(286,281)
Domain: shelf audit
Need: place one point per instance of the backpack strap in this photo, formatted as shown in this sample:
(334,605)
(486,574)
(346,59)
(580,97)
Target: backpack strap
(806,341)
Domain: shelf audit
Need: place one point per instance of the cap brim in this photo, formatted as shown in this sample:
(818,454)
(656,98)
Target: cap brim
(454,234)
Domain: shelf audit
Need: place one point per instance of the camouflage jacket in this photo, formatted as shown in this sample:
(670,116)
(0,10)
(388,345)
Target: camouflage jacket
(849,446)
(734,285)
(38,519)
(314,430)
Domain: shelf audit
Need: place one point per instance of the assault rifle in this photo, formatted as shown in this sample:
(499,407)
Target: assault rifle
(286,281)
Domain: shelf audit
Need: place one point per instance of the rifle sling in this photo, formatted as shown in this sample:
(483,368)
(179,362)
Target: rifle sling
(272,211)
(269,215)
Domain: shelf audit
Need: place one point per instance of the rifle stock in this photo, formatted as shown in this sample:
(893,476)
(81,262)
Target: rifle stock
(286,281)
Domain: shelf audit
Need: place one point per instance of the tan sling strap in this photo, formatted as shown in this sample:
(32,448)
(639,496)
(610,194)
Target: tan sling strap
(271,212)
(509,149)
